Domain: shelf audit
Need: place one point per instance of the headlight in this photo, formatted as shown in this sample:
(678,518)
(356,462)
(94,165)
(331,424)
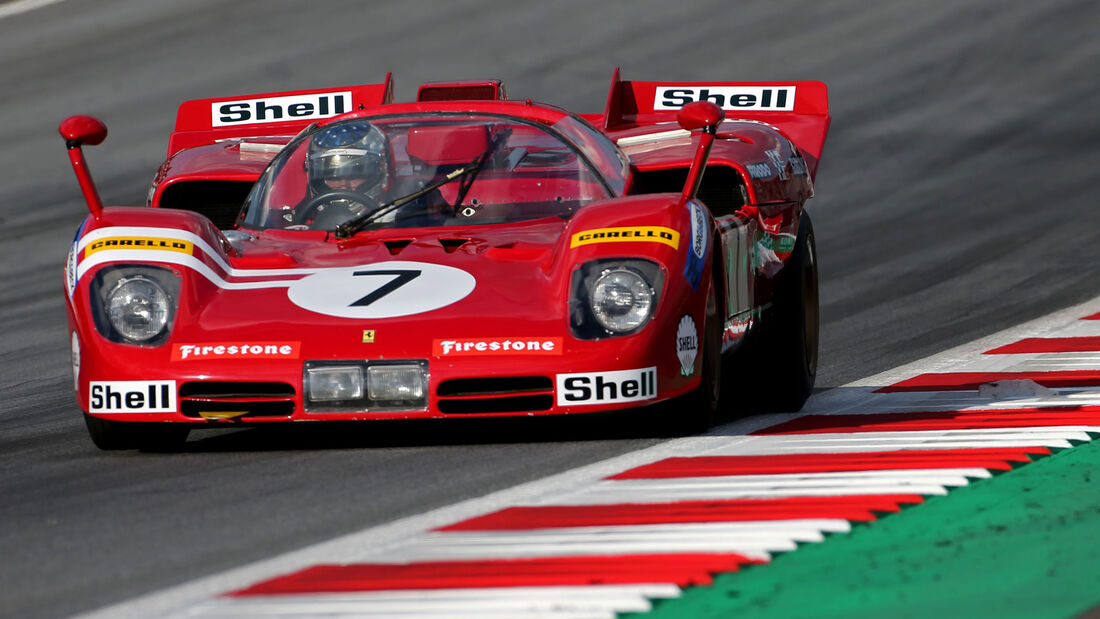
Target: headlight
(135,304)
(621,300)
(613,297)
(137,308)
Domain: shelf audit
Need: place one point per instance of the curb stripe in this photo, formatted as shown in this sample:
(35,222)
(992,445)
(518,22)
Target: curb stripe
(1021,418)
(857,508)
(1034,345)
(679,569)
(966,381)
(707,466)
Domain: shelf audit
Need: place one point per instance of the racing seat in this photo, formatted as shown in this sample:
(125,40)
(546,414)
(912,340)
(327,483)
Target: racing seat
(447,146)
(444,149)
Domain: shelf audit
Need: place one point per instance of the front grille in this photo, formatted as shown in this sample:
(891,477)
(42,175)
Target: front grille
(223,399)
(507,394)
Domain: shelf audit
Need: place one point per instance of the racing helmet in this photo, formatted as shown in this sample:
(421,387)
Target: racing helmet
(347,155)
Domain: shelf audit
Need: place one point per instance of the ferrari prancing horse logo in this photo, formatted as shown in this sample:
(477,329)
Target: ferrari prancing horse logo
(382,290)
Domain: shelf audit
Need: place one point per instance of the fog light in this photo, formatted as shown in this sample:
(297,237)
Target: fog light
(333,383)
(395,382)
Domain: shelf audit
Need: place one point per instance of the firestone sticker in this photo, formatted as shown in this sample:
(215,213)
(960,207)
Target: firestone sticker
(687,345)
(235,350)
(497,346)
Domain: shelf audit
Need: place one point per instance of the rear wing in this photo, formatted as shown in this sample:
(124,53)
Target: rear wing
(799,109)
(205,121)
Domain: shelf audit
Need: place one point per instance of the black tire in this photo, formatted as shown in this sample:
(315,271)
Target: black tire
(110,435)
(776,367)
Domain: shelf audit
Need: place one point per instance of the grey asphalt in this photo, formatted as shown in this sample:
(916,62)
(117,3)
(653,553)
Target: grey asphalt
(956,197)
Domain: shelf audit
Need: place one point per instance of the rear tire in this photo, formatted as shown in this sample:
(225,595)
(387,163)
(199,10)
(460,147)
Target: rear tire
(110,435)
(777,366)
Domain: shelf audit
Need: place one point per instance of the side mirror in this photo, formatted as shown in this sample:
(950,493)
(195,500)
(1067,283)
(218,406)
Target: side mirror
(82,130)
(77,131)
(699,115)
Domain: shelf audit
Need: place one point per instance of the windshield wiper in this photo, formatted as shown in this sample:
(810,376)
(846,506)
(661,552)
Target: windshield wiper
(467,172)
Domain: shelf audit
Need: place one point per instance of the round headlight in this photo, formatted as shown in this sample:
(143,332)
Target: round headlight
(137,308)
(621,300)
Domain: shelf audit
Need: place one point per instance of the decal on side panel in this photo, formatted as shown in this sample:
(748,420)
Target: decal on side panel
(590,388)
(656,234)
(693,266)
(132,396)
(687,344)
(279,109)
(743,98)
(479,346)
(381,290)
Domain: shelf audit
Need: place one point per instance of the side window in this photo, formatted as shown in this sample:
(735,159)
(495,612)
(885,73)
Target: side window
(722,190)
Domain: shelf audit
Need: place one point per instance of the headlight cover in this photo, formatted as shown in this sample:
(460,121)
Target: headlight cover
(365,385)
(613,297)
(137,308)
(135,304)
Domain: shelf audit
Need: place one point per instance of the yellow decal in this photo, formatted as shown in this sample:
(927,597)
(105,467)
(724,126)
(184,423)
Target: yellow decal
(214,415)
(368,336)
(138,242)
(654,234)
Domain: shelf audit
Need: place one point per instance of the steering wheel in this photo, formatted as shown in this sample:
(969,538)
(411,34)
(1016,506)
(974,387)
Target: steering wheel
(307,212)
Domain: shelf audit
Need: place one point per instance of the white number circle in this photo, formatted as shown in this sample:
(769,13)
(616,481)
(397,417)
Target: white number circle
(381,290)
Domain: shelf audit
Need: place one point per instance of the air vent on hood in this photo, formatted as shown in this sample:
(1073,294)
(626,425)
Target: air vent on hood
(452,244)
(396,245)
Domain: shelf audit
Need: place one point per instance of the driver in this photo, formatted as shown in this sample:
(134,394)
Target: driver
(350,162)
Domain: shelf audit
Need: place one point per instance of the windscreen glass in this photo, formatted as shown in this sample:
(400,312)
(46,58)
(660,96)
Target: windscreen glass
(428,170)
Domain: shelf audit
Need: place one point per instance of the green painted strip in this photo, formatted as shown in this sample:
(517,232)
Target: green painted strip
(1025,543)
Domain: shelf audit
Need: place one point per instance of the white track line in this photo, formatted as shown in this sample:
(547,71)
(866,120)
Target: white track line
(22,6)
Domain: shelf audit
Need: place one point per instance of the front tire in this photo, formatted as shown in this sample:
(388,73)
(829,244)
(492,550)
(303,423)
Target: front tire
(110,435)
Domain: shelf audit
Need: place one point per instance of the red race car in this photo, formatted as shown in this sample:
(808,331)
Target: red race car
(333,255)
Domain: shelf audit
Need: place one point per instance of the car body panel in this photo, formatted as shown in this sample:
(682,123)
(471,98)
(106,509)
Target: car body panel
(486,303)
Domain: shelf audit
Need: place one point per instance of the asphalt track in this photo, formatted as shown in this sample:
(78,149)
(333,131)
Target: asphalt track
(956,198)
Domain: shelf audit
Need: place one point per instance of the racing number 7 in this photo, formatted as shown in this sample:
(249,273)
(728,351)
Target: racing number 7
(401,278)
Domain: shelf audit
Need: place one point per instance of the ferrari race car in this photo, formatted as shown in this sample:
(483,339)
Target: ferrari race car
(330,255)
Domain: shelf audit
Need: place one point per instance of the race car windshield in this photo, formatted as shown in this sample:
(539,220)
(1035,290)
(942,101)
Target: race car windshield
(432,170)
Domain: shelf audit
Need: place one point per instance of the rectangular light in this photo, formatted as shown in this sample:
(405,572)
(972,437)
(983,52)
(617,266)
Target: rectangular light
(396,383)
(335,383)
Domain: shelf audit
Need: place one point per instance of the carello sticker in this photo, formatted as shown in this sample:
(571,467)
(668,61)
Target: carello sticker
(139,242)
(655,234)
